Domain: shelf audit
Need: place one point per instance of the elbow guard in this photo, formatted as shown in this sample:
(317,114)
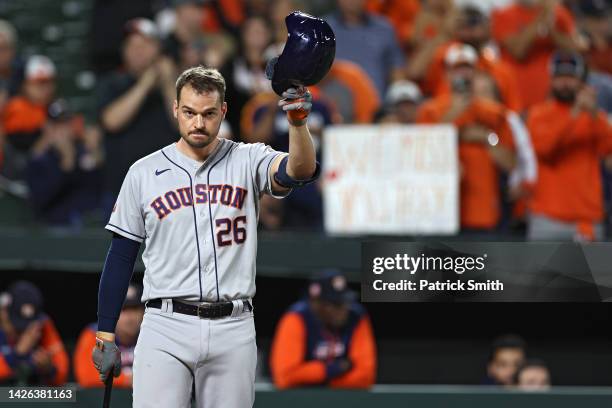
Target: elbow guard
(282,178)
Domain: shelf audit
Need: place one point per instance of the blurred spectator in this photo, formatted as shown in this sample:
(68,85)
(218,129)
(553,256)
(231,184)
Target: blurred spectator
(187,29)
(401,14)
(217,50)
(506,356)
(135,105)
(485,139)
(326,339)
(472,27)
(245,74)
(230,15)
(280,9)
(596,23)
(25,114)
(528,32)
(486,6)
(320,7)
(11,67)
(434,24)
(602,82)
(258,8)
(106,36)
(523,176)
(352,91)
(223,15)
(126,334)
(32,352)
(533,375)
(63,173)
(570,136)
(369,41)
(210,50)
(401,103)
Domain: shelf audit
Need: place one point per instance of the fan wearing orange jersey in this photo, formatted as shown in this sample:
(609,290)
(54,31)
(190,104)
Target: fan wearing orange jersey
(570,137)
(485,139)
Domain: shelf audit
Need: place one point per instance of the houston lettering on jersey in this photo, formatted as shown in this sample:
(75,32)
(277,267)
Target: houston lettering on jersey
(224,194)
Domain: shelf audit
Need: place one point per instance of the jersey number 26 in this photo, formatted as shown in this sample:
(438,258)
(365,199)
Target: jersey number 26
(228,228)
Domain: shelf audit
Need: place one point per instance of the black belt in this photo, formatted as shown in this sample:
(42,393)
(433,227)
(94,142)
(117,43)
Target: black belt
(205,311)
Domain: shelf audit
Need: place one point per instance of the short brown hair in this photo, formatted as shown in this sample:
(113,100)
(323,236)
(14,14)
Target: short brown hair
(201,79)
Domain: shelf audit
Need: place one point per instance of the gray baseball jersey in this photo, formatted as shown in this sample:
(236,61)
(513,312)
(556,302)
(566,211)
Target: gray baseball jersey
(198,220)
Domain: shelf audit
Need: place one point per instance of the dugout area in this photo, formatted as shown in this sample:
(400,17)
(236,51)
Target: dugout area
(436,351)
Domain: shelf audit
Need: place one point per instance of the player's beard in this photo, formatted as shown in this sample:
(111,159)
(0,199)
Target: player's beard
(198,144)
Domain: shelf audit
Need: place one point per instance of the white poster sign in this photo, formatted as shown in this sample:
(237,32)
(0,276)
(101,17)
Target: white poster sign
(391,179)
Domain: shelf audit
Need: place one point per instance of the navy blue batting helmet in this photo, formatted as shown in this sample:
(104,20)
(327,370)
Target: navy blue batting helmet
(308,54)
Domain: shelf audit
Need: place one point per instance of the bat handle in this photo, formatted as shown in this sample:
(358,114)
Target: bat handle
(108,387)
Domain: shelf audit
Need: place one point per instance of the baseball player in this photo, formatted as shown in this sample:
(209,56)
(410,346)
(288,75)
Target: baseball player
(31,349)
(195,205)
(324,339)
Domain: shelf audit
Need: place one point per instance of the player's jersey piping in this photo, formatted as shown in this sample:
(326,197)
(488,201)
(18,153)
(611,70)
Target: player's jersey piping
(210,217)
(127,232)
(195,224)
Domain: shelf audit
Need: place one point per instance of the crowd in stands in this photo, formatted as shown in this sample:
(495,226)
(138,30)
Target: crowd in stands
(527,84)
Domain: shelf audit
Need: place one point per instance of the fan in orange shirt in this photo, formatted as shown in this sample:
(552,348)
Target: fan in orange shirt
(325,339)
(570,137)
(485,139)
(128,327)
(528,32)
(594,23)
(434,26)
(523,176)
(32,352)
(472,28)
(25,114)
(434,19)
(223,15)
(401,14)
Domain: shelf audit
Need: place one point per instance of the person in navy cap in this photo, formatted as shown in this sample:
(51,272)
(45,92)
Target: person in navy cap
(325,339)
(31,350)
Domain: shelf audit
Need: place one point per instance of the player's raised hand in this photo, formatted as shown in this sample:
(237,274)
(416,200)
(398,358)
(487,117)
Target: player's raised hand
(106,357)
(297,102)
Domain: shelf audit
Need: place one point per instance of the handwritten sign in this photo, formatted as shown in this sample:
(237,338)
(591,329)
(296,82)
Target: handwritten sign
(391,179)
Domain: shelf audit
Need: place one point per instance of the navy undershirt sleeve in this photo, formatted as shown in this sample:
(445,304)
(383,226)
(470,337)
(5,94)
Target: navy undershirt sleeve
(116,275)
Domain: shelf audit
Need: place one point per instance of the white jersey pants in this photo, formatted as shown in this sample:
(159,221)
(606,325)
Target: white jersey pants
(176,353)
